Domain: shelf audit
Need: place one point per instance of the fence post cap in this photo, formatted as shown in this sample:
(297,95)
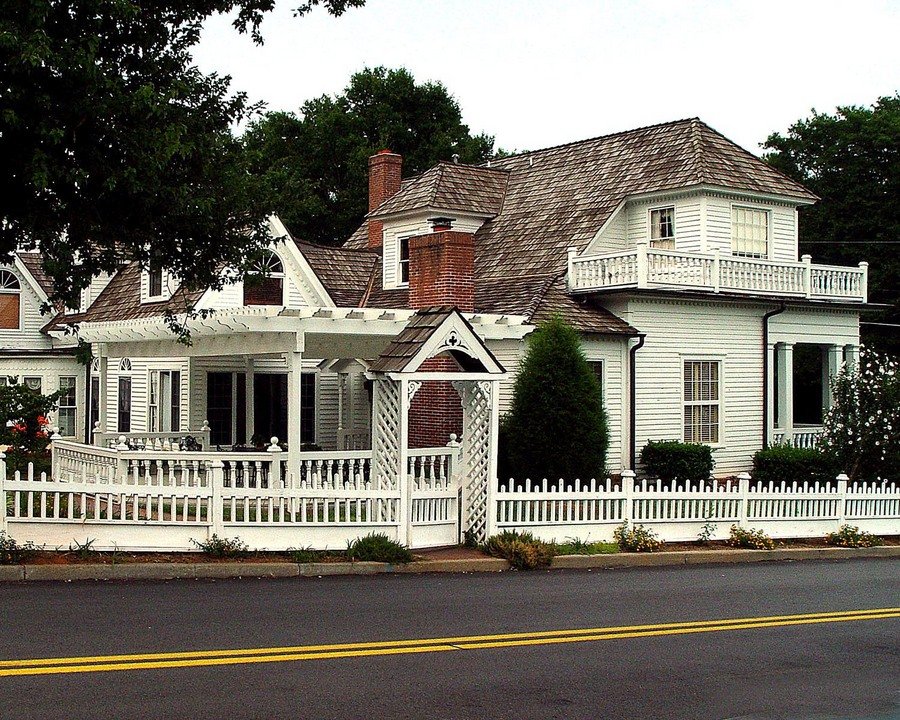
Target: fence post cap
(628,473)
(454,440)
(205,426)
(842,477)
(273,445)
(122,443)
(743,476)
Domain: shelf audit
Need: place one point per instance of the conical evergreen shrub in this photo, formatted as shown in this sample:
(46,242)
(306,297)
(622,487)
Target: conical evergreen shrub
(556,427)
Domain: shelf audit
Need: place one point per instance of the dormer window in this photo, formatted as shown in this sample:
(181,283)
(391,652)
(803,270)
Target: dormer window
(749,232)
(403,260)
(264,284)
(155,280)
(10,301)
(662,228)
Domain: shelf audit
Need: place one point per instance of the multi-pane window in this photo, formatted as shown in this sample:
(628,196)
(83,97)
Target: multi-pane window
(403,259)
(702,394)
(164,401)
(67,407)
(264,285)
(308,408)
(10,301)
(124,424)
(749,232)
(662,228)
(155,280)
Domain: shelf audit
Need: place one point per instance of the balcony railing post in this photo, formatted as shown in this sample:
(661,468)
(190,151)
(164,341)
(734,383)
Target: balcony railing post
(807,274)
(864,281)
(717,278)
(573,283)
(643,265)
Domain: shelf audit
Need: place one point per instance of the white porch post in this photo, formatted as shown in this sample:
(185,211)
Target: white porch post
(408,388)
(295,383)
(770,411)
(834,356)
(851,355)
(785,353)
(250,401)
(103,362)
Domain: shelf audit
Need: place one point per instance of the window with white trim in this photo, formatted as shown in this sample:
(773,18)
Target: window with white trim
(155,280)
(264,284)
(164,401)
(403,260)
(702,404)
(10,301)
(67,407)
(749,232)
(124,423)
(662,228)
(35,383)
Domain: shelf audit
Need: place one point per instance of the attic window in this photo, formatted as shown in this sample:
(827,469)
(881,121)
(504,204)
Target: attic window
(662,228)
(10,301)
(264,284)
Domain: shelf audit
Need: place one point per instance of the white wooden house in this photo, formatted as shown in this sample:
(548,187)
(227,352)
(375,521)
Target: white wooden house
(671,249)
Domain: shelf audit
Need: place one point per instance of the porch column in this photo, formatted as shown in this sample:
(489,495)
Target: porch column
(295,383)
(103,363)
(851,355)
(834,356)
(785,390)
(250,401)
(771,409)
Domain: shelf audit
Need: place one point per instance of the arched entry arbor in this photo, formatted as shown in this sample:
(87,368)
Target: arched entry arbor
(400,371)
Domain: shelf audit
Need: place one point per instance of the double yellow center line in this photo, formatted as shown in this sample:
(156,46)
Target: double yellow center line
(245,656)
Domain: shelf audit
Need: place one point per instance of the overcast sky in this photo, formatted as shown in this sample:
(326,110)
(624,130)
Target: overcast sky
(540,73)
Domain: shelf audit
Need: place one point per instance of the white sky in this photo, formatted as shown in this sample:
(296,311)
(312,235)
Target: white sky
(540,73)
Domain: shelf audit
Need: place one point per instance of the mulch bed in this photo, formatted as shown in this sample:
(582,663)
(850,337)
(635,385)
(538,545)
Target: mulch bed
(448,553)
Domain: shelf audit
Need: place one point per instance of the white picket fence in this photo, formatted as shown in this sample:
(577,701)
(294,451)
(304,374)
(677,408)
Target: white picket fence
(592,511)
(149,500)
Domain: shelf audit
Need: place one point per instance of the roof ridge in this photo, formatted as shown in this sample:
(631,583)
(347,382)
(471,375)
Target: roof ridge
(699,155)
(319,246)
(597,137)
(539,297)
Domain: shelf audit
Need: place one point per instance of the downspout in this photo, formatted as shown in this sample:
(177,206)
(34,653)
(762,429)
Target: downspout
(632,379)
(765,345)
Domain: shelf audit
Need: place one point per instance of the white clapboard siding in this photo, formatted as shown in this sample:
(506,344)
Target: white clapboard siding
(29,335)
(782,230)
(825,326)
(140,378)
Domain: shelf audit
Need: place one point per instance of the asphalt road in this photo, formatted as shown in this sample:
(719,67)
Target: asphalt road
(848,669)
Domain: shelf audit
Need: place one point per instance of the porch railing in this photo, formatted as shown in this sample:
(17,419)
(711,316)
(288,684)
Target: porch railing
(646,267)
(174,440)
(799,437)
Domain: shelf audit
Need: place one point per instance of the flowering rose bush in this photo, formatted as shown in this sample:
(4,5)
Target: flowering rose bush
(24,428)
(862,428)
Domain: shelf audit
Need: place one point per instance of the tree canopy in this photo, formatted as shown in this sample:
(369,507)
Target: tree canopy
(851,160)
(556,427)
(312,167)
(116,147)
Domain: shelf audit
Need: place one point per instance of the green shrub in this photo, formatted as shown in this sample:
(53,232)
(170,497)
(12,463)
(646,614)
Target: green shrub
(669,460)
(306,555)
(752,539)
(218,547)
(636,539)
(378,547)
(522,550)
(784,463)
(11,553)
(851,536)
(556,427)
(574,546)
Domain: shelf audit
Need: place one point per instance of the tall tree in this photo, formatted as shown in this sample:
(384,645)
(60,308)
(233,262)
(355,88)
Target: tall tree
(116,147)
(312,167)
(851,160)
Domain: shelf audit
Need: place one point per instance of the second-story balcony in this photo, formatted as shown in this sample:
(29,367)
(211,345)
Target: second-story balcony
(653,268)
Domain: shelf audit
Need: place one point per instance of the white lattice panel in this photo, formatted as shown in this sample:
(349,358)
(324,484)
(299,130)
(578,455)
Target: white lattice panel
(386,434)
(476,454)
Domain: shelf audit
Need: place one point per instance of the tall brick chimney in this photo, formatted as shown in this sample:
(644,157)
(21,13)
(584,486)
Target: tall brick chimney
(384,182)
(441,272)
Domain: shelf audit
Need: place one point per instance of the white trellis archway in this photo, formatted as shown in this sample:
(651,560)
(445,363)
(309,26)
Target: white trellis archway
(398,374)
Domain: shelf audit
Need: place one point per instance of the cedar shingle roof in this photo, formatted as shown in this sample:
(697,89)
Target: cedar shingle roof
(450,186)
(344,273)
(32,261)
(407,344)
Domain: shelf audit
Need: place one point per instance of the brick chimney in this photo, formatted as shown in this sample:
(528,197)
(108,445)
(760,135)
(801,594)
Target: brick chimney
(442,268)
(384,182)
(441,272)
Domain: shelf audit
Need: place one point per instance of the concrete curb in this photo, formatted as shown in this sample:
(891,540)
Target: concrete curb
(174,571)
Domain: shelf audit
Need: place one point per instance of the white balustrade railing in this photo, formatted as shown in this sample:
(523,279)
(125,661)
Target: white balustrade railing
(799,437)
(648,267)
(168,440)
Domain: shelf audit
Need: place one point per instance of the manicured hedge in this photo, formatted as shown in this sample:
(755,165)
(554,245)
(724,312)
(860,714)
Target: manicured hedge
(783,463)
(670,460)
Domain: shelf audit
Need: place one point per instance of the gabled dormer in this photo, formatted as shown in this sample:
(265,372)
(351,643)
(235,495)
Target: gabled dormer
(157,284)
